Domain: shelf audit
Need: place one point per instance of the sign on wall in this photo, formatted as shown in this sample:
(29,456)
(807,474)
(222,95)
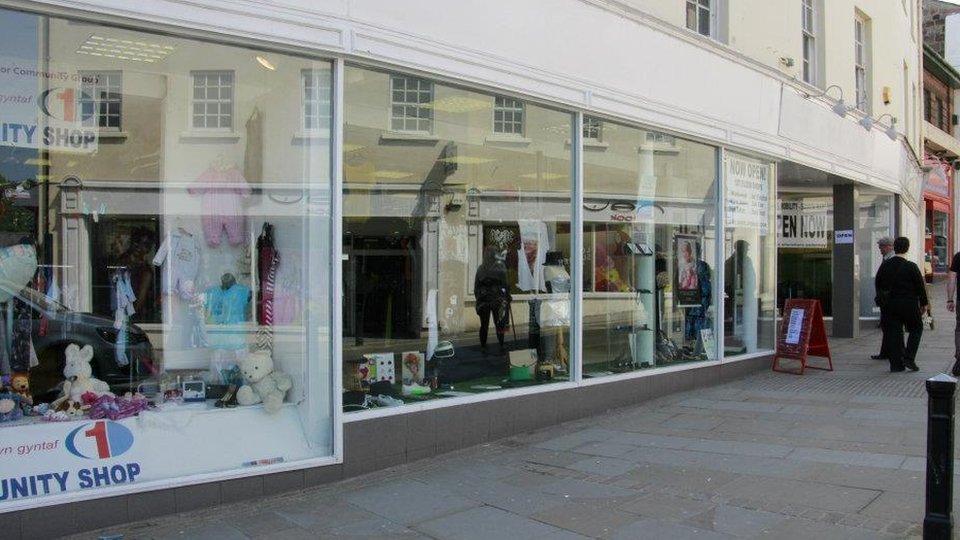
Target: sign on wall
(747,187)
(805,223)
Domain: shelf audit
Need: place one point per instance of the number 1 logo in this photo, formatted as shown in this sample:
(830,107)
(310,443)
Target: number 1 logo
(99,440)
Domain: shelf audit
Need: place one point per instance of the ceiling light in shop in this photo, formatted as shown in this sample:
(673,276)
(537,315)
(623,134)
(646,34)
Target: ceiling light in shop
(466,160)
(392,175)
(543,176)
(124,49)
(266,63)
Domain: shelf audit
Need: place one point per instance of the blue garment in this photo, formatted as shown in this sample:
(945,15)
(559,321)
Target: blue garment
(698,317)
(228,307)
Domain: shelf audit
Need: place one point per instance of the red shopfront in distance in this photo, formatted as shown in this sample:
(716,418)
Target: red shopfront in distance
(938,212)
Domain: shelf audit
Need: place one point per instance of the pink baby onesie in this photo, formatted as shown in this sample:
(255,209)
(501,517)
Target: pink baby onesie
(221,204)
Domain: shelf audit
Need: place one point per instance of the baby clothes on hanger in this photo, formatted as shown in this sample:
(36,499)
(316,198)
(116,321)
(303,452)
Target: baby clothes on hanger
(179,257)
(534,245)
(221,200)
(122,304)
(228,307)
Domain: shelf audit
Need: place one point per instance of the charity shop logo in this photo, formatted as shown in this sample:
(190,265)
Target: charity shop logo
(99,440)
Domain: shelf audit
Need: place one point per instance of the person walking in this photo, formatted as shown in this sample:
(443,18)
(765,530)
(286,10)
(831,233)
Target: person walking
(901,283)
(953,295)
(885,245)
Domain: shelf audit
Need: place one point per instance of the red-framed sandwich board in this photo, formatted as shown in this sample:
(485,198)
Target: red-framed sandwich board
(801,336)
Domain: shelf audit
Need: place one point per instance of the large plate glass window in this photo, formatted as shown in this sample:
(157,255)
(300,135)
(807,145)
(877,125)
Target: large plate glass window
(749,249)
(649,262)
(164,291)
(456,239)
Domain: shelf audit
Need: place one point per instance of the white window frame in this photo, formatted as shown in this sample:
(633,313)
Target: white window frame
(424,119)
(93,93)
(701,8)
(206,100)
(316,111)
(592,129)
(860,54)
(509,113)
(808,30)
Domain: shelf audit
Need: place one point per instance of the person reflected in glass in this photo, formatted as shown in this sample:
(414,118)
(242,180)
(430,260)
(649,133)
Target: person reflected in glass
(493,296)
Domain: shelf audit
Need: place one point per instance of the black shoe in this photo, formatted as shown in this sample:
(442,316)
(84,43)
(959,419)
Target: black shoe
(911,365)
(898,370)
(878,357)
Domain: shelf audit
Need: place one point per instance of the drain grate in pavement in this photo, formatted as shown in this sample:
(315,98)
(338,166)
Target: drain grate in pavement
(859,386)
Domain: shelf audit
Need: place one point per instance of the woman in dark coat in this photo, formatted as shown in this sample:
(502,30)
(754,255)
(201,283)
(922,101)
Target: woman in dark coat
(493,296)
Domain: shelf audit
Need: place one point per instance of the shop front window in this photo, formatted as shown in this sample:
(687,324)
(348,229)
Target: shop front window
(167,313)
(456,270)
(749,248)
(876,220)
(649,214)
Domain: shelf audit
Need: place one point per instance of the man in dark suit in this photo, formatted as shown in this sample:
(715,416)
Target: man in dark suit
(900,282)
(885,245)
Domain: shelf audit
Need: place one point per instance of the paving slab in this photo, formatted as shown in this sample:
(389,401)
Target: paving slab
(823,455)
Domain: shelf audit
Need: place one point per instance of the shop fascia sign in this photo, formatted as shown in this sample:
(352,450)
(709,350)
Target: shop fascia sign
(936,182)
(47,119)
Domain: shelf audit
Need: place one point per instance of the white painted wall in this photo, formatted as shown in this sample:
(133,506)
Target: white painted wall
(607,56)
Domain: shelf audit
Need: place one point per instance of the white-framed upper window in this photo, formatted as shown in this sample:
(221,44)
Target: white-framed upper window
(592,128)
(809,41)
(860,63)
(213,98)
(315,97)
(411,104)
(508,116)
(701,16)
(101,99)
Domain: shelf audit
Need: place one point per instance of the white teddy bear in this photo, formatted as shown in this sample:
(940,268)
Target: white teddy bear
(264,384)
(79,378)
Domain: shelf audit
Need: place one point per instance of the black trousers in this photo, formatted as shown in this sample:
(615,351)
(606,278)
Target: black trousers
(495,312)
(884,353)
(899,315)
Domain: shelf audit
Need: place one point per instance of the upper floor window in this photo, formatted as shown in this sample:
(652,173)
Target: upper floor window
(316,99)
(507,116)
(700,16)
(809,41)
(101,99)
(212,99)
(860,63)
(592,128)
(411,104)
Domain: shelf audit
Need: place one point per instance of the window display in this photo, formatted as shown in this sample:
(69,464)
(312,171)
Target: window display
(456,238)
(749,249)
(650,204)
(805,254)
(173,282)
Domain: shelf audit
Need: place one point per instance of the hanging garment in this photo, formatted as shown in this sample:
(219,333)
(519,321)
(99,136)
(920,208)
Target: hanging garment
(534,245)
(268,261)
(122,303)
(228,307)
(21,337)
(221,204)
(179,259)
(40,284)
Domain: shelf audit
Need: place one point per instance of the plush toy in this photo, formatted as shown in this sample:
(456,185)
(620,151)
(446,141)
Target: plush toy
(20,383)
(10,407)
(79,380)
(263,383)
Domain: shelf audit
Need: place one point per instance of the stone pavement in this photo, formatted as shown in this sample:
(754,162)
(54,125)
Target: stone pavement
(826,455)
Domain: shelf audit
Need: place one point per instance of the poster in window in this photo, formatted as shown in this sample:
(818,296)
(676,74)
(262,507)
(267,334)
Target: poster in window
(686,278)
